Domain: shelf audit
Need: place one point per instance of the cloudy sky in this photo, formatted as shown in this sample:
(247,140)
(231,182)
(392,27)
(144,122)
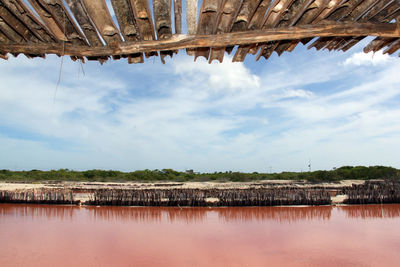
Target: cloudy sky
(333,108)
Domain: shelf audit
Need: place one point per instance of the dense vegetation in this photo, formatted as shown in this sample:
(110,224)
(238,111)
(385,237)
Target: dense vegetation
(343,173)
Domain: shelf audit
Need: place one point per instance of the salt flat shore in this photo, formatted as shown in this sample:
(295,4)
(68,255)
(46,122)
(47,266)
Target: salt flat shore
(174,185)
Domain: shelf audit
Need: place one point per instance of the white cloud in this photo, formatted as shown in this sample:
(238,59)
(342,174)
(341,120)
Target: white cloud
(218,76)
(370,92)
(300,93)
(371,58)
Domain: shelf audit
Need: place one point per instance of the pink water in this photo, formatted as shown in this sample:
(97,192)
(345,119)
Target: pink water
(267,236)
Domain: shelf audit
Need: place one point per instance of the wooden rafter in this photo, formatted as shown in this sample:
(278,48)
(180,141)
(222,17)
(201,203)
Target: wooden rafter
(219,40)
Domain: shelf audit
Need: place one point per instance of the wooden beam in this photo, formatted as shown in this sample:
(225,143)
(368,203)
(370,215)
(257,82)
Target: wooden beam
(225,39)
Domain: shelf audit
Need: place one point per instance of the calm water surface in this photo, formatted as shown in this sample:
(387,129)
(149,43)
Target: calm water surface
(39,235)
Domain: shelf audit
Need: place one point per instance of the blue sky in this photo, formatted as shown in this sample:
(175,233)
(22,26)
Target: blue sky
(333,108)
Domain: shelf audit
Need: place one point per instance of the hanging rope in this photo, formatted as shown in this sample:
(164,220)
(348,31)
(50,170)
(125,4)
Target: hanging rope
(61,66)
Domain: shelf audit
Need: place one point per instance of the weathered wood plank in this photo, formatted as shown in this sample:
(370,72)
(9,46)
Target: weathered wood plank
(191,16)
(3,55)
(225,22)
(126,20)
(377,44)
(191,21)
(346,7)
(207,21)
(365,13)
(162,18)
(342,11)
(24,14)
(354,12)
(178,16)
(393,47)
(382,15)
(246,12)
(163,23)
(301,11)
(275,13)
(3,38)
(53,11)
(84,21)
(395,13)
(225,39)
(378,9)
(272,20)
(99,14)
(385,14)
(311,11)
(49,21)
(254,24)
(10,33)
(326,10)
(288,19)
(17,25)
(144,21)
(128,24)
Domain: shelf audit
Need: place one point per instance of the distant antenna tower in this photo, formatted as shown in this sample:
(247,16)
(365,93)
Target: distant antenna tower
(309,165)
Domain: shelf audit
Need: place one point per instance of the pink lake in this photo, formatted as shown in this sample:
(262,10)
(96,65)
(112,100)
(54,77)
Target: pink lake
(40,235)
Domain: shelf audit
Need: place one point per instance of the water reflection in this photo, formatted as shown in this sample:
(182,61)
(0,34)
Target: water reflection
(371,211)
(39,211)
(198,215)
(149,214)
(280,214)
(191,215)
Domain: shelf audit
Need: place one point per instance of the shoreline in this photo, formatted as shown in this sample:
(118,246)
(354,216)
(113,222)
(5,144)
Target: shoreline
(209,194)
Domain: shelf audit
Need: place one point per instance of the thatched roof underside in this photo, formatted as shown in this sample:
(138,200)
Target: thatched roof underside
(85,29)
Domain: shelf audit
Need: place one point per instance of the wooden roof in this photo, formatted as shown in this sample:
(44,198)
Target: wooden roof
(85,28)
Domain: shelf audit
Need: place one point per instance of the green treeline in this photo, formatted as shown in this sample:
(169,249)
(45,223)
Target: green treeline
(343,173)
